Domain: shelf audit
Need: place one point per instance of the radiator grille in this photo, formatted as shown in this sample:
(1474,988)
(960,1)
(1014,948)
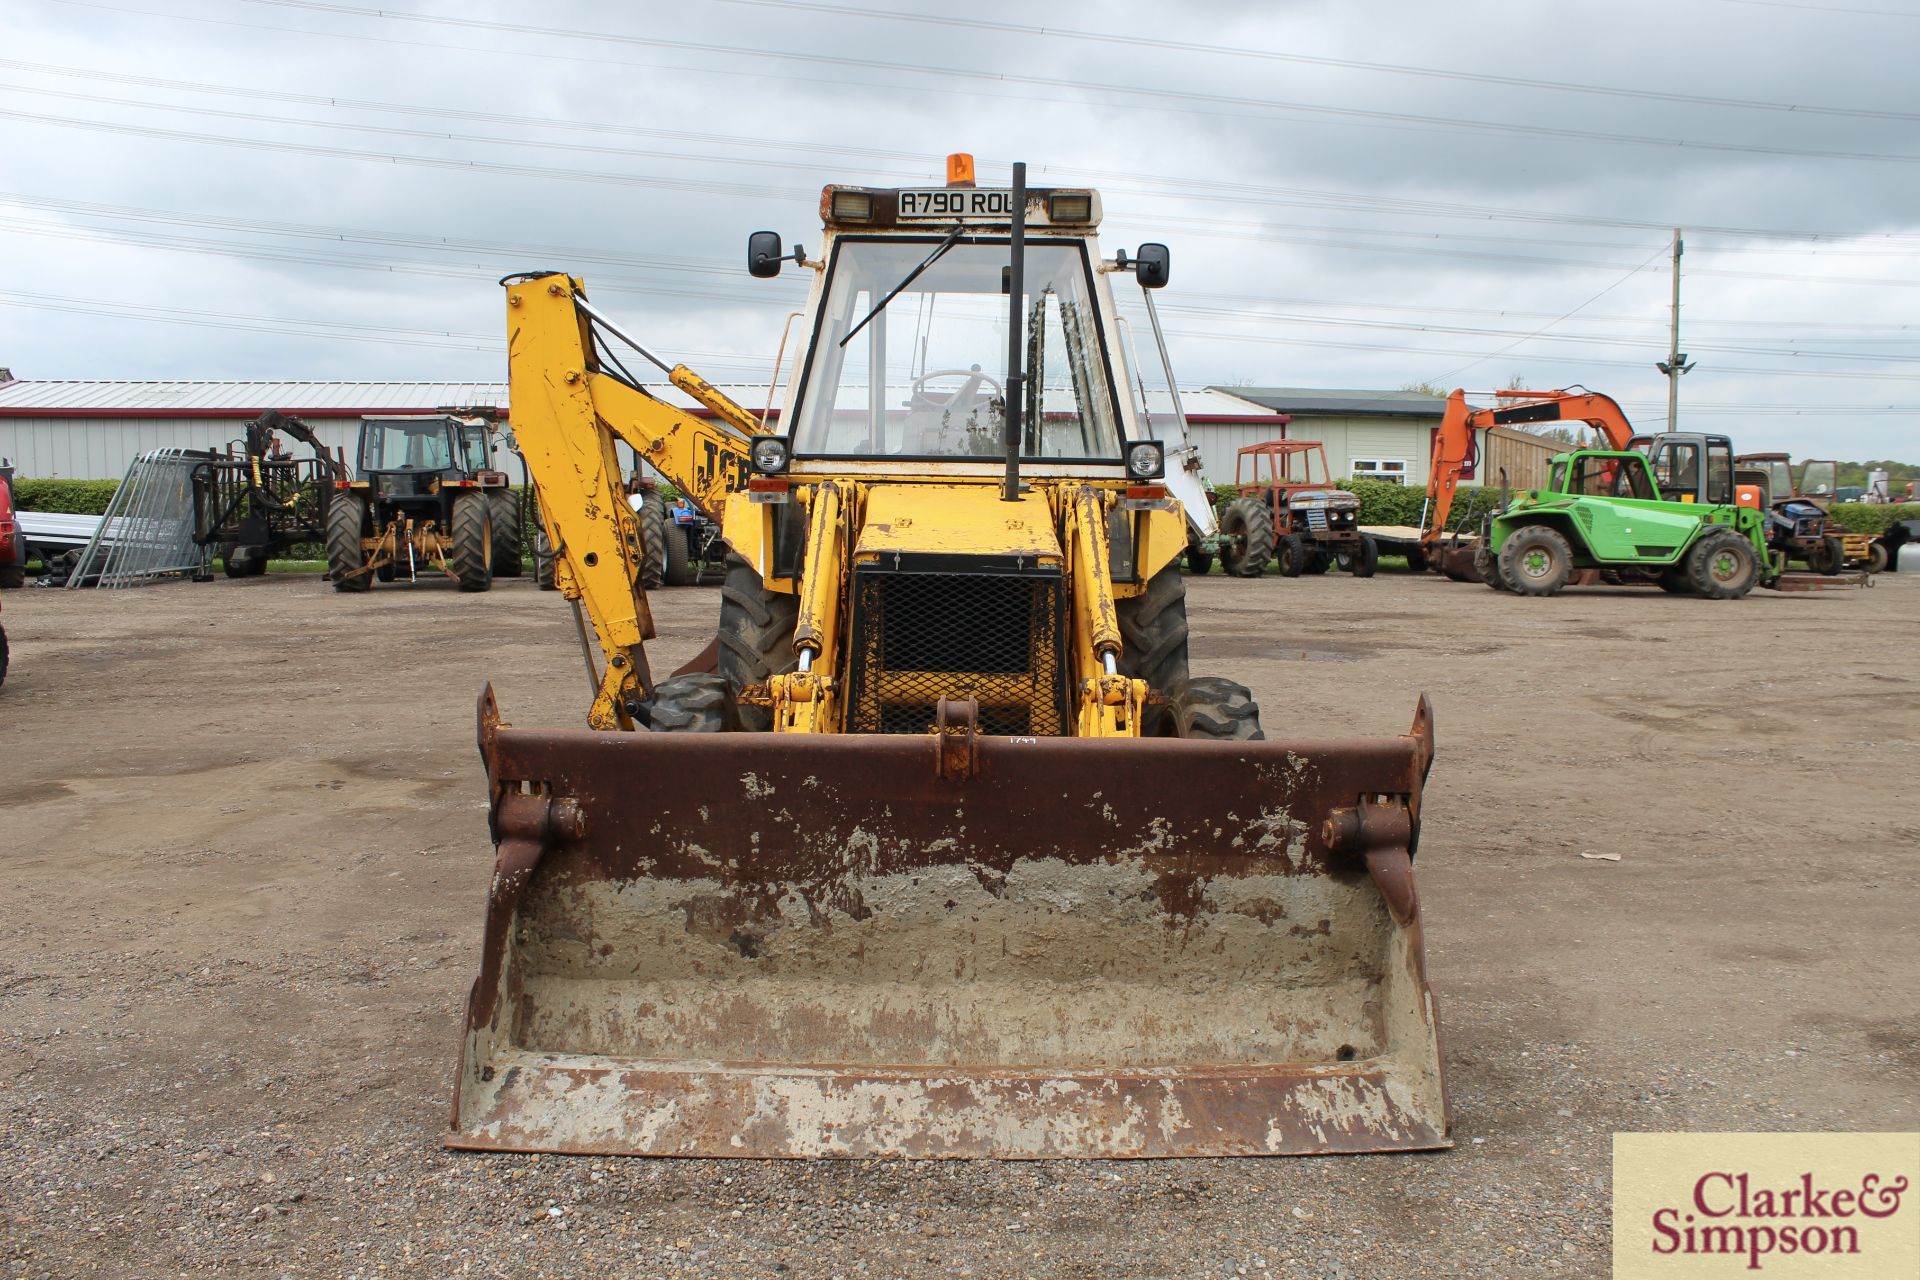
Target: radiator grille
(992,637)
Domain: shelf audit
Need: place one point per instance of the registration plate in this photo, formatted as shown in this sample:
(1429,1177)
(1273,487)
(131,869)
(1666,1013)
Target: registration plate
(956,202)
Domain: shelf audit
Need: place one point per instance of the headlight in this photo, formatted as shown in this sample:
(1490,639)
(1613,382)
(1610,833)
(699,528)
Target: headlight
(1146,460)
(770,455)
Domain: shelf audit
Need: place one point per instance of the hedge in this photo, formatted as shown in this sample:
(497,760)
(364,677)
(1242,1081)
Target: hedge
(1860,517)
(1384,502)
(74,497)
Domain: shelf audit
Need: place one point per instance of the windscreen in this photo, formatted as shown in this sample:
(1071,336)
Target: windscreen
(1607,477)
(406,446)
(923,377)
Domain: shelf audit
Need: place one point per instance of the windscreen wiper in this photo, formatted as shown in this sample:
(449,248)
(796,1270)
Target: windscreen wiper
(912,275)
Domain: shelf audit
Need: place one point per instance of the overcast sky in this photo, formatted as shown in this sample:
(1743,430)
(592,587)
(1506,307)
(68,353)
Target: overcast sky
(1356,194)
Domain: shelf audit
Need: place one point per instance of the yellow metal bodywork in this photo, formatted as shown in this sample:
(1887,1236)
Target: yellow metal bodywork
(958,511)
(568,418)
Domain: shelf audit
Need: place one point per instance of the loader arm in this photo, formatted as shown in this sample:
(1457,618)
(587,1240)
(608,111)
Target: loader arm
(569,413)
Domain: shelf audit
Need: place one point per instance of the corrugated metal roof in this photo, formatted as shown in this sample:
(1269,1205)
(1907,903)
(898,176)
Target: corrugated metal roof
(1312,400)
(1208,405)
(130,399)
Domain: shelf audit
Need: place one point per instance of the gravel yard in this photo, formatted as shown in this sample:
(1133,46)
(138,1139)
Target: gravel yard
(243,833)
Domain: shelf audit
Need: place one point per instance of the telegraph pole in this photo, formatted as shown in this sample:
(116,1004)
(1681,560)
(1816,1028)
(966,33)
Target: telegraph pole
(1676,362)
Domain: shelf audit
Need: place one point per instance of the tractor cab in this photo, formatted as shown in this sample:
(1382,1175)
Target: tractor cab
(411,457)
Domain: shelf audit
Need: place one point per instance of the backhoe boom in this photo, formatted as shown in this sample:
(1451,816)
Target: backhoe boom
(569,413)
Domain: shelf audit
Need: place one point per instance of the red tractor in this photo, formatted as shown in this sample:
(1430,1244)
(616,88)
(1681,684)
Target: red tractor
(1309,524)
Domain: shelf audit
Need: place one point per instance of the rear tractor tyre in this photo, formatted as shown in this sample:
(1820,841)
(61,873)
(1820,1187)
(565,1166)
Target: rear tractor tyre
(1366,558)
(507,542)
(653,541)
(471,532)
(1246,537)
(1723,566)
(678,569)
(346,552)
(700,703)
(1212,708)
(542,561)
(1153,635)
(756,636)
(1536,561)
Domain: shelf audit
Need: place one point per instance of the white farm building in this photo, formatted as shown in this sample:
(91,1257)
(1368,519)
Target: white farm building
(91,430)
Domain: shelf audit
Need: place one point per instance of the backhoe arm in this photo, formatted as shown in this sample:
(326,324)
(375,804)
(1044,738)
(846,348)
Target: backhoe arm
(568,415)
(1456,443)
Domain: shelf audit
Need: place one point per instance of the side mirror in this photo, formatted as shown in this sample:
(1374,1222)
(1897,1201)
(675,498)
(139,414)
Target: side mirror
(763,255)
(1152,266)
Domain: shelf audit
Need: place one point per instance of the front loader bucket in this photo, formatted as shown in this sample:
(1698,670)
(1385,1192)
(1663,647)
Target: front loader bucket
(1458,561)
(758,944)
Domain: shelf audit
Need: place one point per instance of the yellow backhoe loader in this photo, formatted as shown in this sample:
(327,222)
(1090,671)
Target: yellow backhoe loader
(944,852)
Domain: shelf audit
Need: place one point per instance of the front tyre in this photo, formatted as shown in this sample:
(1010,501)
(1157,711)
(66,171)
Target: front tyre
(1535,561)
(1722,566)
(1212,708)
(756,637)
(1365,558)
(699,703)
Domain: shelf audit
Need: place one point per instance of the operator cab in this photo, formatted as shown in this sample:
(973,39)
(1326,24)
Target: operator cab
(1597,474)
(910,319)
(1693,468)
(410,456)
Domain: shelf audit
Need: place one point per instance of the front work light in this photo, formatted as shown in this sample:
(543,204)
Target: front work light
(1074,206)
(1146,460)
(770,455)
(853,206)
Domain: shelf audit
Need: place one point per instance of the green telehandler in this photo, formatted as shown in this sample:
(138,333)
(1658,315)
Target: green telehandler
(1673,516)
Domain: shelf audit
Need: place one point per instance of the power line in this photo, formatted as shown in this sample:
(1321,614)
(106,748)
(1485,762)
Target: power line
(1161,184)
(1392,119)
(1232,304)
(1160,44)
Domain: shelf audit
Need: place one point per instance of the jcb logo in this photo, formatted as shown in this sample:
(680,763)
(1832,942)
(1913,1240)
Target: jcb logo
(723,464)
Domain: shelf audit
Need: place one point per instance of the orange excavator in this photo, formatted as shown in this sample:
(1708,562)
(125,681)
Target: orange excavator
(1456,449)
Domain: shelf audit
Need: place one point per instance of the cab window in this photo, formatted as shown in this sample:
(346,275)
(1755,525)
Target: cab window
(406,446)
(1676,469)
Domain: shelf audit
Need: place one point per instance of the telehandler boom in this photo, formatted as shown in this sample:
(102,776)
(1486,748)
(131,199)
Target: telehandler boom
(948,854)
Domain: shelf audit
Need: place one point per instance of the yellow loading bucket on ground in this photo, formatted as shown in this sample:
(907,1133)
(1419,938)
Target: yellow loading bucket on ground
(757,944)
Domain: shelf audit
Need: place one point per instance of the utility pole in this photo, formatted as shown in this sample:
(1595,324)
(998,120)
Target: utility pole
(1676,362)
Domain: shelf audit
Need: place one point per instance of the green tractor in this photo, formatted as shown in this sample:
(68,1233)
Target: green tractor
(1672,515)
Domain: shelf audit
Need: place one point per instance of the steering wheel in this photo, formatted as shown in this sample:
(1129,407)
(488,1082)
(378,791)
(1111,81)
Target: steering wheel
(966,391)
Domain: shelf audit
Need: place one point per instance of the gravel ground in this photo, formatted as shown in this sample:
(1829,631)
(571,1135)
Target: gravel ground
(245,845)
